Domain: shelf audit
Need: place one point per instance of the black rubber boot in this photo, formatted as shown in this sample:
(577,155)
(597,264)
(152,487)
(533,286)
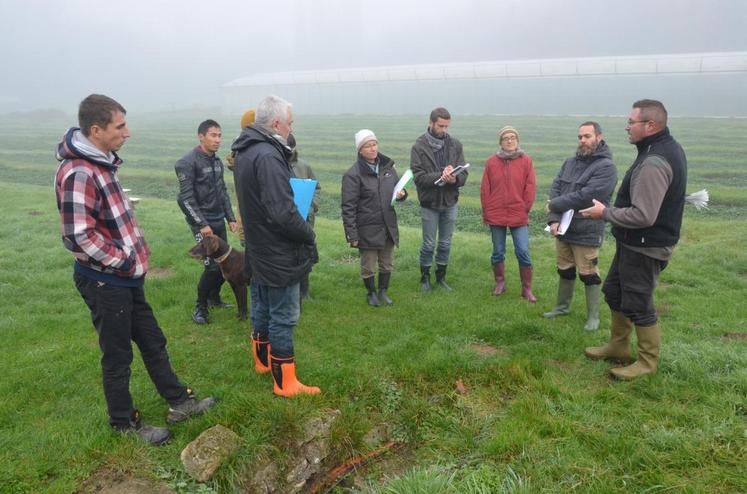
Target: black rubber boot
(383,285)
(425,279)
(371,298)
(441,277)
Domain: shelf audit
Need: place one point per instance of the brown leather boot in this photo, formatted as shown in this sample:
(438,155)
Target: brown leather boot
(618,348)
(499,270)
(649,345)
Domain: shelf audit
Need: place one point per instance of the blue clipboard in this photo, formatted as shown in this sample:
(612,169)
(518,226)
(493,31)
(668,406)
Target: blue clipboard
(303,193)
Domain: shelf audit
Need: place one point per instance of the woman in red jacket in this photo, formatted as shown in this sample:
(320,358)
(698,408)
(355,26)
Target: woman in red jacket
(507,194)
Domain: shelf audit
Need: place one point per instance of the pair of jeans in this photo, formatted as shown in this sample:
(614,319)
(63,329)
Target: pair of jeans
(520,236)
(121,315)
(630,283)
(437,223)
(275,312)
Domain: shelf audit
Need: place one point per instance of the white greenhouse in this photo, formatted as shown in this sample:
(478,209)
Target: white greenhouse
(598,85)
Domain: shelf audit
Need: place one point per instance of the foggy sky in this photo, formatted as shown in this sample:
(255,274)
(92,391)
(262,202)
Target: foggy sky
(155,55)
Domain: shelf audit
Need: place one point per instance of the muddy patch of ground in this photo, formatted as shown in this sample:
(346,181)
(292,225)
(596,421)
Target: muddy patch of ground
(735,336)
(347,259)
(161,273)
(485,350)
(35,213)
(559,364)
(110,482)
(663,309)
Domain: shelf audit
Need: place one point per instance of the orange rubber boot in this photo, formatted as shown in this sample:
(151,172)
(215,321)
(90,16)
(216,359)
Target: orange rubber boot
(284,376)
(261,353)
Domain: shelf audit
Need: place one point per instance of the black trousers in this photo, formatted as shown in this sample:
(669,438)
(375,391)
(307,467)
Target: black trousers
(208,288)
(630,283)
(121,315)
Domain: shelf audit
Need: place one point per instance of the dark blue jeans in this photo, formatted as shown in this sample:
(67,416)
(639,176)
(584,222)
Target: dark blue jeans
(274,315)
(121,315)
(437,222)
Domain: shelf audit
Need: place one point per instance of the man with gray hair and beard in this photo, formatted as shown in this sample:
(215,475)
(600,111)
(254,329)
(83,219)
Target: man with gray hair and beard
(279,242)
(590,174)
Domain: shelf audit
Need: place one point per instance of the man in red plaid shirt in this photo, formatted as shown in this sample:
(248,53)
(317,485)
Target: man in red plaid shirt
(111,259)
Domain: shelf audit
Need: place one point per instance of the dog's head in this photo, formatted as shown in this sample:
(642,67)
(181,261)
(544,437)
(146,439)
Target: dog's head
(210,246)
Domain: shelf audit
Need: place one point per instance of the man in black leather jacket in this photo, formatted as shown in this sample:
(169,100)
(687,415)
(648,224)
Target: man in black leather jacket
(206,205)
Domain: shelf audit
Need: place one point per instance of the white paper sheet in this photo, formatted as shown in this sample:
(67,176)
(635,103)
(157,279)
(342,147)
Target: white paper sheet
(565,221)
(403,181)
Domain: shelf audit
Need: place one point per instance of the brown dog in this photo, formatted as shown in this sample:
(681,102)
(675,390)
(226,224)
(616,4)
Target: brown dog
(231,263)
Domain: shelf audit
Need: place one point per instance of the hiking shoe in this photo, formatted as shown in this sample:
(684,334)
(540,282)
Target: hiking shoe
(200,315)
(155,436)
(189,407)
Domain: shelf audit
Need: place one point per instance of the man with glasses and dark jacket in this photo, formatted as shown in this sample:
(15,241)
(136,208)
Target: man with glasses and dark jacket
(279,242)
(646,220)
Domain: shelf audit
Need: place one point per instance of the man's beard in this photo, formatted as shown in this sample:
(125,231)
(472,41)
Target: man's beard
(585,152)
(436,134)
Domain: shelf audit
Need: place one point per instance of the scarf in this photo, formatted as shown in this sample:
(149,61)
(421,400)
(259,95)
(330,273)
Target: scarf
(436,143)
(512,155)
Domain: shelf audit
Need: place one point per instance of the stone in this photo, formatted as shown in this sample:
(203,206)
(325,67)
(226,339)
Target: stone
(312,449)
(265,480)
(305,462)
(203,456)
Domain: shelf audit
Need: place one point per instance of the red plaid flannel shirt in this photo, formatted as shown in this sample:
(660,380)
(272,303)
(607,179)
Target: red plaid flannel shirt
(98,223)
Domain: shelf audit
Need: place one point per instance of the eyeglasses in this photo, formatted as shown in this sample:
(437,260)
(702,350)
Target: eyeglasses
(508,138)
(633,122)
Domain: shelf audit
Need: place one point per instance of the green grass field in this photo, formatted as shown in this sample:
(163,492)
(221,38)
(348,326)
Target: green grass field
(537,416)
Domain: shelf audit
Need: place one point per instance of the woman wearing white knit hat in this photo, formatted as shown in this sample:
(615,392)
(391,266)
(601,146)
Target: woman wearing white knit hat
(368,216)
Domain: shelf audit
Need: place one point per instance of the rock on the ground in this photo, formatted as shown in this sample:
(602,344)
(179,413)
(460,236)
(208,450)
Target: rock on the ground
(203,456)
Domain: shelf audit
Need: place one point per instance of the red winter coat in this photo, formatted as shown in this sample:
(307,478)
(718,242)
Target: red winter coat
(507,191)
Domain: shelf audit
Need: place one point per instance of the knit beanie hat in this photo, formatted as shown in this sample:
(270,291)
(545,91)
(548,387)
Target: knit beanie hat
(248,118)
(507,130)
(362,137)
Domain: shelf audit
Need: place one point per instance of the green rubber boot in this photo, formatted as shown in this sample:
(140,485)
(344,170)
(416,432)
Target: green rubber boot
(593,295)
(565,296)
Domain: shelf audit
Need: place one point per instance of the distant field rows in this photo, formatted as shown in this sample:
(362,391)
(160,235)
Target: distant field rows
(715,149)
